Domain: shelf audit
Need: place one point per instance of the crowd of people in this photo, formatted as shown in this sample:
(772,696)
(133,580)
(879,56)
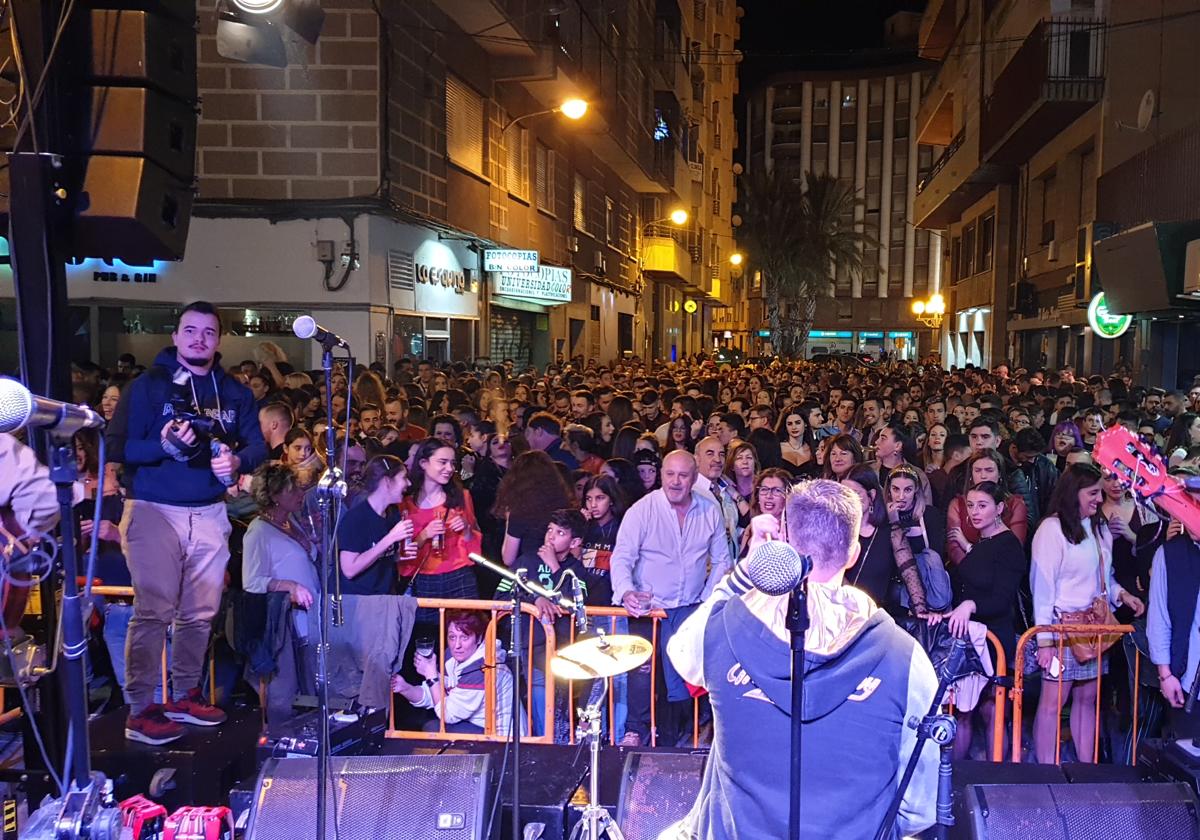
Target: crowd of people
(648,482)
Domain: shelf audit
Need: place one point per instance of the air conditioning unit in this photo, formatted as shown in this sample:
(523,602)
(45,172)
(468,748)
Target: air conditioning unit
(573,244)
(1052,250)
(600,264)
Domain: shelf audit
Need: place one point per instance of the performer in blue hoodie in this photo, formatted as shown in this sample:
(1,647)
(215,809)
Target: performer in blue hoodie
(175,530)
(866,682)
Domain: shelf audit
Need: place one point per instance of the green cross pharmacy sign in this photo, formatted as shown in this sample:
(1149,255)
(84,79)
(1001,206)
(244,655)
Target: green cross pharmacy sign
(1104,323)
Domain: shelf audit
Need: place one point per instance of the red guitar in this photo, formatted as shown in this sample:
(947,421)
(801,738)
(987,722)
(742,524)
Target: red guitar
(1144,474)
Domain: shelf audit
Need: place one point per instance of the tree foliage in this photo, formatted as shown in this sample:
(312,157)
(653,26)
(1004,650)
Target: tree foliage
(800,234)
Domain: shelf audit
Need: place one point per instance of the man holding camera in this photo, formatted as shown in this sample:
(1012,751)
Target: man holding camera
(184,431)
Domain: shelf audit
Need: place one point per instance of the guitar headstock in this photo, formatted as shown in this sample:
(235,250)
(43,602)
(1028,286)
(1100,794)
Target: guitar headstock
(1141,470)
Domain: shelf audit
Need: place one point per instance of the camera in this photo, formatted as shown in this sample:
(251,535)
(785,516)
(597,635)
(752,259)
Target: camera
(201,425)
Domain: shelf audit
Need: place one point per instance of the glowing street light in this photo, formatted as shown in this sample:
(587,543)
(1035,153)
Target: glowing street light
(930,312)
(573,109)
(679,217)
(736,259)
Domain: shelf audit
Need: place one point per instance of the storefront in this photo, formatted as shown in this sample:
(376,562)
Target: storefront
(899,343)
(523,304)
(433,289)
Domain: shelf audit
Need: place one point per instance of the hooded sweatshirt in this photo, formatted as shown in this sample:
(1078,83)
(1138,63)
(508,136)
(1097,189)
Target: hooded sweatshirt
(866,684)
(134,436)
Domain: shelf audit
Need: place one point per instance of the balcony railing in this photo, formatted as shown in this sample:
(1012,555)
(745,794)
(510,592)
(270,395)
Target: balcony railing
(941,161)
(1056,75)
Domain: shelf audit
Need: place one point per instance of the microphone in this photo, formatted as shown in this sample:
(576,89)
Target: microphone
(580,610)
(306,327)
(776,568)
(20,408)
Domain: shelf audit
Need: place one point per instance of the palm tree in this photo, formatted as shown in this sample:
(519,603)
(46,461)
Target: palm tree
(798,232)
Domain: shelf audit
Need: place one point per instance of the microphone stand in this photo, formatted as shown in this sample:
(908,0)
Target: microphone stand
(521,583)
(331,490)
(941,730)
(797,624)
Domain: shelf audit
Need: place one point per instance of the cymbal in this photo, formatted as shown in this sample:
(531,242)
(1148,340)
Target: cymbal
(600,657)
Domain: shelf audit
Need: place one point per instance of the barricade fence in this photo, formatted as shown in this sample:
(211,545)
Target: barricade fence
(1060,633)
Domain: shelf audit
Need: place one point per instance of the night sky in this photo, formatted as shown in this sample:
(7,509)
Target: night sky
(781,35)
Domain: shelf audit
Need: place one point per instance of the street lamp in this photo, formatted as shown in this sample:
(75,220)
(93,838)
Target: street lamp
(678,217)
(930,312)
(736,259)
(573,109)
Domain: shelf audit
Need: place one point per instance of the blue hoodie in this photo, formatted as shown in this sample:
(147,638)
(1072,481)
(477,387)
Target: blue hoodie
(134,435)
(860,697)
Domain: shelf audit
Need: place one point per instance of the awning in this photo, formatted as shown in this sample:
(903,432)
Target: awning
(1141,269)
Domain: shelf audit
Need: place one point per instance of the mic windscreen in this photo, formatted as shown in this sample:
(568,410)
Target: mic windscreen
(776,568)
(304,326)
(16,405)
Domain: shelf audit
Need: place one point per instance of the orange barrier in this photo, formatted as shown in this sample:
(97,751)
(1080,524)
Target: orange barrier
(1059,631)
(496,610)
(1000,669)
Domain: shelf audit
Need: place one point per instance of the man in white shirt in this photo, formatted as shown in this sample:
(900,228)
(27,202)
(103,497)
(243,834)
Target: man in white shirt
(670,552)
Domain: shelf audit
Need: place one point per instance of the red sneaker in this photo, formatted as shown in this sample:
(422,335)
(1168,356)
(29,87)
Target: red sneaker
(194,709)
(152,727)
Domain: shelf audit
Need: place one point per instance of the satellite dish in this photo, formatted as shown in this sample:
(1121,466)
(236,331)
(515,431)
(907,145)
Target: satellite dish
(1146,110)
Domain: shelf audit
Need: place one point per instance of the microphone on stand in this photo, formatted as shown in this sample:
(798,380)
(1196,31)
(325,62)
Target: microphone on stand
(776,568)
(580,609)
(20,409)
(306,327)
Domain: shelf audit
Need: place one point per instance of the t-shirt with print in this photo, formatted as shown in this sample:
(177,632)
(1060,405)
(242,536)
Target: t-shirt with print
(360,530)
(596,556)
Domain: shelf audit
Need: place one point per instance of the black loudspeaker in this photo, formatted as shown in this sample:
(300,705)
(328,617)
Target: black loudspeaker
(1082,812)
(439,797)
(132,209)
(657,789)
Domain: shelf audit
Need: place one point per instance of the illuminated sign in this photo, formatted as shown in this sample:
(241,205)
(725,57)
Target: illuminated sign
(689,306)
(551,284)
(900,334)
(764,333)
(511,262)
(1104,323)
(830,334)
(450,278)
(870,335)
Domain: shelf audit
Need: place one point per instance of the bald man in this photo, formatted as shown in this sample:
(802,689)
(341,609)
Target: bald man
(671,550)
(710,461)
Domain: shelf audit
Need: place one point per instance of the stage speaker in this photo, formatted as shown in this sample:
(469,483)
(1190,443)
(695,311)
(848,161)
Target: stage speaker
(657,789)
(146,48)
(1082,811)
(132,209)
(142,122)
(447,797)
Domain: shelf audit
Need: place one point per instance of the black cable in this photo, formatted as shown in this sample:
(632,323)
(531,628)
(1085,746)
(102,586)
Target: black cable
(33,102)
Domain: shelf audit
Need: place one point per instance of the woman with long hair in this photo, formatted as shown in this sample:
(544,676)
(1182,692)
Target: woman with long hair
(368,388)
(1072,566)
(771,489)
(961,535)
(623,471)
(604,506)
(766,445)
(875,571)
(1184,434)
(933,453)
(679,434)
(1065,438)
(741,466)
(373,536)
(626,440)
(602,432)
(300,453)
(796,442)
(279,555)
(445,528)
(842,454)
(109,400)
(985,590)
(620,411)
(529,494)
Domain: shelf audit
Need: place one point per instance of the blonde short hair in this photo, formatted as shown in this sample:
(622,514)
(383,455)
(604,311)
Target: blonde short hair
(823,518)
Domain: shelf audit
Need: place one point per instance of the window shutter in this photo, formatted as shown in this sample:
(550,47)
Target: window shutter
(464,125)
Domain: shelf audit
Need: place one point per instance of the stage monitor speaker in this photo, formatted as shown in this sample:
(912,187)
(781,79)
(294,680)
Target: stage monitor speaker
(441,797)
(1082,812)
(132,209)
(148,48)
(657,789)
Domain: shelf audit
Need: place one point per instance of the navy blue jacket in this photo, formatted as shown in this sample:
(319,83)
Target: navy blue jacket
(134,435)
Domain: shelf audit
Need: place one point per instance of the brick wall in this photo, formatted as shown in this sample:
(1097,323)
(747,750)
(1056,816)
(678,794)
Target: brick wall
(304,132)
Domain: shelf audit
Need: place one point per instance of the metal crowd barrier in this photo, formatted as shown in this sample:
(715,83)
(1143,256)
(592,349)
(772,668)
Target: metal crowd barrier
(1060,631)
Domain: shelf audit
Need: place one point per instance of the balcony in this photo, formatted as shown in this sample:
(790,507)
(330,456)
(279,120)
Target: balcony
(956,180)
(938,29)
(1055,76)
(497,18)
(664,258)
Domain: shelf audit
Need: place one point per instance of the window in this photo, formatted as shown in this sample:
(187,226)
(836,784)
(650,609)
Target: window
(987,241)
(610,220)
(516,148)
(545,179)
(956,259)
(464,125)
(849,95)
(580,203)
(968,250)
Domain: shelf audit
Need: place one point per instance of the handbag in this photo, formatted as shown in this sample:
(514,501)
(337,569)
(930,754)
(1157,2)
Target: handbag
(1087,646)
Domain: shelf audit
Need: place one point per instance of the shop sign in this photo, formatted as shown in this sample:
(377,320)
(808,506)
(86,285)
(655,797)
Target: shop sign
(550,284)
(1104,323)
(689,306)
(511,262)
(830,334)
(870,335)
(764,333)
(900,334)
(449,278)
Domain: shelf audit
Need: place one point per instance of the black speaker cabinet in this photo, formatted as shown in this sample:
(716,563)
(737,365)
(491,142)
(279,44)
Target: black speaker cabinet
(133,202)
(1082,812)
(417,797)
(657,789)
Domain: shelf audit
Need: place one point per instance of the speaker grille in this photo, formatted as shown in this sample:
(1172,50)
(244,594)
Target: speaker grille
(657,789)
(1066,812)
(442,796)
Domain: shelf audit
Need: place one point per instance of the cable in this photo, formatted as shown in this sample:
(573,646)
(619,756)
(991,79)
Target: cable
(93,549)
(27,122)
